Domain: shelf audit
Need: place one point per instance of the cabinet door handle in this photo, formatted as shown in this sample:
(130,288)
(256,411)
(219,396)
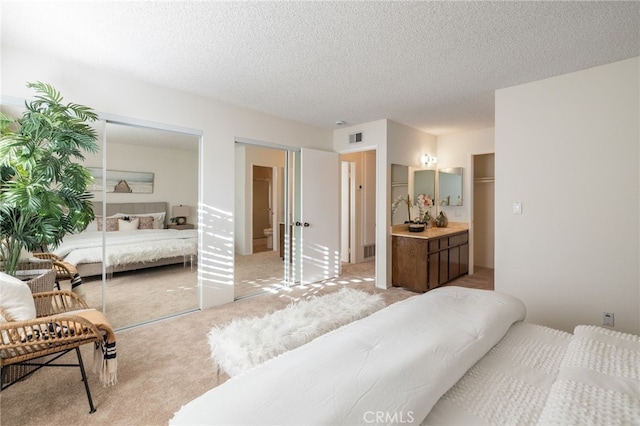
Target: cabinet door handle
(298,224)
(306,224)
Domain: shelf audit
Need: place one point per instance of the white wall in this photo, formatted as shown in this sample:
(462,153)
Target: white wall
(220,123)
(407,145)
(568,148)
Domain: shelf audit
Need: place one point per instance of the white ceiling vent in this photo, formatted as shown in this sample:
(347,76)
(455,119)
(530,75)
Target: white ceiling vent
(355,137)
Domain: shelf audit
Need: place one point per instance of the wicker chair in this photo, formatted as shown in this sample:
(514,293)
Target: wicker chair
(64,270)
(22,342)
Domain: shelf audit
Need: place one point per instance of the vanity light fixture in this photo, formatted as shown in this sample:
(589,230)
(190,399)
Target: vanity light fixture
(427,160)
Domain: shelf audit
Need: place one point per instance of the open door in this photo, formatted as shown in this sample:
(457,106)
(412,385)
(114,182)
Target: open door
(316,216)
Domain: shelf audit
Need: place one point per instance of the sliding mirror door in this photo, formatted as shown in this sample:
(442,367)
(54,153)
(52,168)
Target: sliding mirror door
(303,244)
(147,207)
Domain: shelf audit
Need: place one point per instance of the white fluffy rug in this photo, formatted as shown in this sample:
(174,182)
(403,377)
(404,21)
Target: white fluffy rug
(247,342)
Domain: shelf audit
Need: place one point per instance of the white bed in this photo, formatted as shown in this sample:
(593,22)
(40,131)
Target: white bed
(129,249)
(450,356)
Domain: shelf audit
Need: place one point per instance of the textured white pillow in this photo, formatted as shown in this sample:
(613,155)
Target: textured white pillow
(126,225)
(158,218)
(16,300)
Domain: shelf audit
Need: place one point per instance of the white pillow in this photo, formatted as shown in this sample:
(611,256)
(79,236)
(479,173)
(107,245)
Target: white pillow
(158,218)
(92,226)
(126,225)
(16,300)
(25,255)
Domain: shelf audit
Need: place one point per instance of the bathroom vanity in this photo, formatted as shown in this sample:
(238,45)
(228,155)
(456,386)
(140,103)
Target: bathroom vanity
(422,261)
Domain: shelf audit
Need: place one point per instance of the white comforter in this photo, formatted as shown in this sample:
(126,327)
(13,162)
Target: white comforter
(390,367)
(125,247)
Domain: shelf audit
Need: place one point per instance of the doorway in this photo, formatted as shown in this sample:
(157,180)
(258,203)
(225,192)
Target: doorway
(262,209)
(358,206)
(305,218)
(260,195)
(483,211)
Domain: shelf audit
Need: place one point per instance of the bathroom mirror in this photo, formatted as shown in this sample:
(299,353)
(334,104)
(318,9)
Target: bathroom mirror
(450,186)
(424,182)
(407,180)
(399,188)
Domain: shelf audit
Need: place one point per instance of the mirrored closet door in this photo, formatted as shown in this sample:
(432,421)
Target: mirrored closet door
(138,259)
(146,207)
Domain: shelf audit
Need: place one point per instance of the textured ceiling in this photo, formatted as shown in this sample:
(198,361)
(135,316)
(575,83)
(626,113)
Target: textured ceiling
(430,65)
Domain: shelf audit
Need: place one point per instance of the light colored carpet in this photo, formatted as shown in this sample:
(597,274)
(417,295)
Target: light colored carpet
(258,272)
(136,297)
(161,366)
(264,272)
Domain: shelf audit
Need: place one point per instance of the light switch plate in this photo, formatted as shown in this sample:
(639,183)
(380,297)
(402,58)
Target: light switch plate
(517,208)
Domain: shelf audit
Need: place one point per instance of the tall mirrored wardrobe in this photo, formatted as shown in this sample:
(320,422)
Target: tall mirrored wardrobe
(145,198)
(135,263)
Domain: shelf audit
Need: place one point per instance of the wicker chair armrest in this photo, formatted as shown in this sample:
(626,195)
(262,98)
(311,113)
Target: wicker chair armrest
(63,269)
(24,340)
(57,302)
(49,256)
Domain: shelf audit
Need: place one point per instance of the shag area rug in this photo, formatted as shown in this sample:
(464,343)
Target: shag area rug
(247,342)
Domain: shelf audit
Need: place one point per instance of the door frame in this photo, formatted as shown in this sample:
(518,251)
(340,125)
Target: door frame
(347,211)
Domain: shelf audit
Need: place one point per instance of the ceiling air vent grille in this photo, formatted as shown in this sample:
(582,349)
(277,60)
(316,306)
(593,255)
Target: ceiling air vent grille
(355,137)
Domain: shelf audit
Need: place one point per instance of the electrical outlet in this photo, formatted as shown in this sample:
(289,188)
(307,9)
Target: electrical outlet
(607,319)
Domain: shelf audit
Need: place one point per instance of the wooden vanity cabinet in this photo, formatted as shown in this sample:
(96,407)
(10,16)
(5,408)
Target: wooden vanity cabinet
(409,267)
(421,264)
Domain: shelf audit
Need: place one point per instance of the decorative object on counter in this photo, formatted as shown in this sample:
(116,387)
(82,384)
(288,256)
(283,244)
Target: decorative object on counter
(416,227)
(424,202)
(426,219)
(441,220)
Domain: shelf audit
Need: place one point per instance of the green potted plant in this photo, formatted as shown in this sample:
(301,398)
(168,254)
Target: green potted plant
(43,191)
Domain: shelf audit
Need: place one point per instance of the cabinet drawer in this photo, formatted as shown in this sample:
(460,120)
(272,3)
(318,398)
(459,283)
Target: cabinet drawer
(433,245)
(444,243)
(456,240)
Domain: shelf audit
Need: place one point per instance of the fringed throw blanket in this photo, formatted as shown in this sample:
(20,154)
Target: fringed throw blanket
(76,284)
(104,356)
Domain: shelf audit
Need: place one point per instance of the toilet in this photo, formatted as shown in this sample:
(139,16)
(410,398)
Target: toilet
(269,234)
